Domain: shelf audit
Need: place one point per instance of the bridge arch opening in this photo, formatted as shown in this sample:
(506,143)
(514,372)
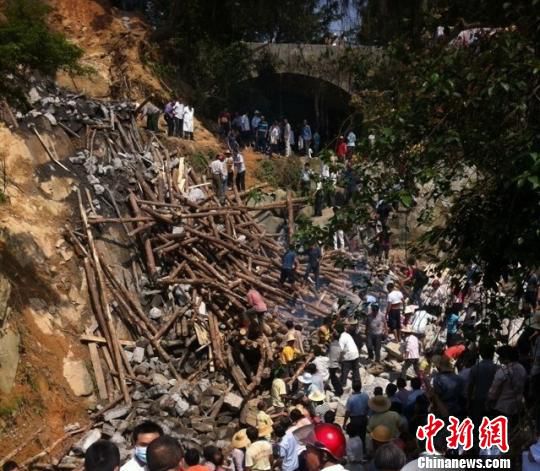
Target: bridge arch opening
(297,97)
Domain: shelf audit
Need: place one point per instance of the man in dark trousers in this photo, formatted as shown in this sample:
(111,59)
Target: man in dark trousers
(314,257)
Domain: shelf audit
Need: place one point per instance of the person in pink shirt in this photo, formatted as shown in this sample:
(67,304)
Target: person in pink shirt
(257,305)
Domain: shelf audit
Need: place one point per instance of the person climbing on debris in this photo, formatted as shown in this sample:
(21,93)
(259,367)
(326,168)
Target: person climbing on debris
(289,353)
(151,112)
(314,255)
(411,352)
(289,265)
(257,305)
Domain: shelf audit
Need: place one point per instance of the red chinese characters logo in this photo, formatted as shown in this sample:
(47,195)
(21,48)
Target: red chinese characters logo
(494,433)
(491,433)
(428,432)
(460,433)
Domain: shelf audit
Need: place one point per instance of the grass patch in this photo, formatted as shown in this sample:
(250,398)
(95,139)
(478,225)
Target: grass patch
(280,172)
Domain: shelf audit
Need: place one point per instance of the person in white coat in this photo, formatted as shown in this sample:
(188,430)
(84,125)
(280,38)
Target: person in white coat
(188,122)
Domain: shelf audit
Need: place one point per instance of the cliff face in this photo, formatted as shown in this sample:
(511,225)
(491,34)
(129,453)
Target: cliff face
(45,380)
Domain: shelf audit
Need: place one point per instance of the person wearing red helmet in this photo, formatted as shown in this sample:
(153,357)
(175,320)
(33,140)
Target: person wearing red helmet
(325,448)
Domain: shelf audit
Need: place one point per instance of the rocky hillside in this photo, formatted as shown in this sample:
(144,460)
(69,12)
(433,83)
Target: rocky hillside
(45,382)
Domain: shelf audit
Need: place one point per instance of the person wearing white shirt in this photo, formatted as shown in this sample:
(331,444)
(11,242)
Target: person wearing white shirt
(351,143)
(178,116)
(240,170)
(350,356)
(188,122)
(393,310)
(218,170)
(287,137)
(143,434)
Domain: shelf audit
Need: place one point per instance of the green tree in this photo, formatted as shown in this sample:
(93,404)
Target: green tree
(27,43)
(463,128)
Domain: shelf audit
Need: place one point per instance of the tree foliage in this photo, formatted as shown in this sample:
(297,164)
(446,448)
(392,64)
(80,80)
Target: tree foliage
(202,38)
(26,43)
(464,129)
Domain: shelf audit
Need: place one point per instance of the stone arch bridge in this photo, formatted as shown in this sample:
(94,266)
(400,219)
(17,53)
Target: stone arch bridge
(320,61)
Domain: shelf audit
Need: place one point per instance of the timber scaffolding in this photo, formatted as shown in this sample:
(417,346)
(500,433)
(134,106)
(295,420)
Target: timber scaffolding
(194,358)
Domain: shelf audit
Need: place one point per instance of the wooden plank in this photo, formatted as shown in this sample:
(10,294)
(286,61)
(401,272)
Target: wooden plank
(98,370)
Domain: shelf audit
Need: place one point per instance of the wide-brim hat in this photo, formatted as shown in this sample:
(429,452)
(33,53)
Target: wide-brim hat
(240,439)
(534,321)
(305,378)
(410,309)
(316,396)
(379,404)
(265,430)
(350,322)
(381,434)
(291,337)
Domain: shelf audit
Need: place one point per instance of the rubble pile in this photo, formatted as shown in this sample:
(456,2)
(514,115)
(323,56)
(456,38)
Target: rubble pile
(172,340)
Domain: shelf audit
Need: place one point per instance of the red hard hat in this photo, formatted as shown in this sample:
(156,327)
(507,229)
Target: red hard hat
(327,437)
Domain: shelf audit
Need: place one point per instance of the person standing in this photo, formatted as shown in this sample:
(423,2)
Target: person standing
(411,353)
(178,115)
(351,143)
(341,149)
(224,122)
(219,174)
(262,133)
(316,142)
(245,129)
(480,381)
(169,117)
(506,392)
(288,266)
(254,127)
(334,357)
(393,311)
(305,180)
(287,137)
(314,258)
(239,443)
(351,356)
(229,163)
(374,332)
(240,170)
(189,113)
(356,410)
(275,133)
(306,136)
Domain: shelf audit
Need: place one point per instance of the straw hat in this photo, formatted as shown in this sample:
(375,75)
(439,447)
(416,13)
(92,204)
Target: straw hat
(240,439)
(265,430)
(291,337)
(409,330)
(379,404)
(381,434)
(445,365)
(410,309)
(534,321)
(316,396)
(306,378)
(350,322)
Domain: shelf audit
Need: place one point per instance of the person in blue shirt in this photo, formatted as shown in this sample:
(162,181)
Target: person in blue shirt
(452,323)
(262,132)
(288,266)
(306,136)
(356,410)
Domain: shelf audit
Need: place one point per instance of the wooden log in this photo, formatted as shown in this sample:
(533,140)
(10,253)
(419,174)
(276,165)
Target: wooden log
(300,369)
(88,338)
(104,304)
(290,217)
(161,332)
(19,448)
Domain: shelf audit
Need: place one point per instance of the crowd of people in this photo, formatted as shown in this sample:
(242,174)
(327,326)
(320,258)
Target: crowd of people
(298,425)
(277,137)
(178,116)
